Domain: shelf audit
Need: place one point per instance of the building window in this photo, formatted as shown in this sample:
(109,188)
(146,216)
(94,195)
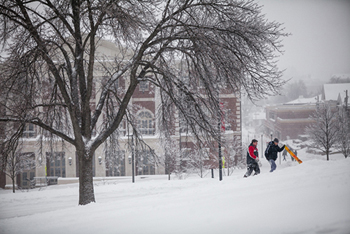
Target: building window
(228,119)
(27,167)
(115,163)
(185,154)
(29,131)
(144,85)
(145,123)
(56,164)
(272,115)
(122,128)
(144,163)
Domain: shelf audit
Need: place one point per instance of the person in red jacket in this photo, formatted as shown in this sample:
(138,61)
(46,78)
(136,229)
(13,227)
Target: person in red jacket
(252,159)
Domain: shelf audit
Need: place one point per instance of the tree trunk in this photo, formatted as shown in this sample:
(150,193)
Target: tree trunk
(86,186)
(13,185)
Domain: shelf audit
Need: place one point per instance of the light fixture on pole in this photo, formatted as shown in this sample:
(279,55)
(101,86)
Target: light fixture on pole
(220,155)
(131,158)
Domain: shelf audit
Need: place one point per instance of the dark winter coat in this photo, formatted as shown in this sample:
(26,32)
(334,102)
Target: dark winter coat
(252,154)
(272,150)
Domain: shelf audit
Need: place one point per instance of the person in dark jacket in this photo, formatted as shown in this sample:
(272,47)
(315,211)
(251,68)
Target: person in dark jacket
(271,153)
(252,159)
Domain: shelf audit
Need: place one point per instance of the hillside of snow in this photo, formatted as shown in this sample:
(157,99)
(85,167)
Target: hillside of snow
(313,197)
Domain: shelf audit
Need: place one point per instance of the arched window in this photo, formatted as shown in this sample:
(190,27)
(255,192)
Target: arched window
(145,123)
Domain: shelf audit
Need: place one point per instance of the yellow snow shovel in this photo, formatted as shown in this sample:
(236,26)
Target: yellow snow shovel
(292,154)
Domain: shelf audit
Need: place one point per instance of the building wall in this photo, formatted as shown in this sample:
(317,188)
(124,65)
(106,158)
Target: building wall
(295,113)
(288,121)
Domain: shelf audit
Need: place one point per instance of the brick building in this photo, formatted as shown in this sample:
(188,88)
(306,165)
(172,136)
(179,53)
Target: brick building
(60,160)
(289,120)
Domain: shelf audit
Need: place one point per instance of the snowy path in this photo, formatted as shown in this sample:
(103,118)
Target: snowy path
(313,197)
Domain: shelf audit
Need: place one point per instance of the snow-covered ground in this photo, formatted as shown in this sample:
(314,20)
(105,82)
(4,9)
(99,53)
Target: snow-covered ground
(313,197)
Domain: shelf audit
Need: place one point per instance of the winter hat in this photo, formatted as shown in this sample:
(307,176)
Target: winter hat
(275,140)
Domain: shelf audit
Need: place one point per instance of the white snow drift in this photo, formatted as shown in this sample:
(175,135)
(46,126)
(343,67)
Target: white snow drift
(313,197)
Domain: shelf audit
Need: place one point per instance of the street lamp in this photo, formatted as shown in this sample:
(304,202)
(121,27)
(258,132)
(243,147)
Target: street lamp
(132,159)
(220,155)
(271,135)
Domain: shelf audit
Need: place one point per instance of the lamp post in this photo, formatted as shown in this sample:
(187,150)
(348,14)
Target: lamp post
(271,136)
(221,105)
(132,155)
(219,146)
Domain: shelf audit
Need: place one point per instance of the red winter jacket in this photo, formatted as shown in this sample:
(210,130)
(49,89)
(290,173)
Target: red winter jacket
(252,154)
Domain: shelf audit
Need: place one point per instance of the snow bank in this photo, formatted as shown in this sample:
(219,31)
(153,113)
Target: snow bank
(312,197)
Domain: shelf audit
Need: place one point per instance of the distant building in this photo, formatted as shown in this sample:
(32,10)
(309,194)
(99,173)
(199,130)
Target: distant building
(288,121)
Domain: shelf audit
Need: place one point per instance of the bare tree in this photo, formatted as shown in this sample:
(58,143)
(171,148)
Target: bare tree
(343,133)
(171,155)
(198,160)
(13,162)
(323,132)
(234,147)
(49,73)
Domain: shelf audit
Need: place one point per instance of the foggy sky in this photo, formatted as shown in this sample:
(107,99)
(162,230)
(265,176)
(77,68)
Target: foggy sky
(320,42)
